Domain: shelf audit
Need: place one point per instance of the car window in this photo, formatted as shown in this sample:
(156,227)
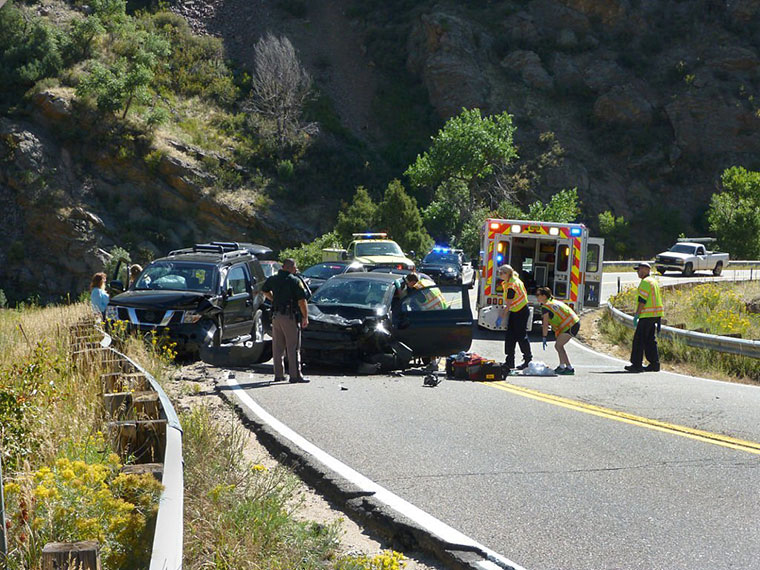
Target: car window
(324,270)
(177,276)
(237,280)
(378,248)
(438,257)
(353,292)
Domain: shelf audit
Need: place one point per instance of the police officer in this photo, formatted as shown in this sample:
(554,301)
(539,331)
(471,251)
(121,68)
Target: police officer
(646,319)
(517,310)
(289,315)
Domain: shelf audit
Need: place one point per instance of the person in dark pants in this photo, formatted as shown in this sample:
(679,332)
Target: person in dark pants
(289,316)
(647,321)
(517,311)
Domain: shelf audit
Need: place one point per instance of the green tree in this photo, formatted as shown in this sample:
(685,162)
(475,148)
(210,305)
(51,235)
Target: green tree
(562,207)
(82,34)
(399,216)
(615,232)
(359,216)
(308,254)
(117,85)
(450,209)
(30,50)
(734,214)
(469,148)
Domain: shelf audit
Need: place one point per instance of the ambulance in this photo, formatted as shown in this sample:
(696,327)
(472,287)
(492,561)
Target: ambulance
(560,256)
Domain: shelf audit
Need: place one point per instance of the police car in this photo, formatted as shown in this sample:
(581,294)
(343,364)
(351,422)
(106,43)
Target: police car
(448,266)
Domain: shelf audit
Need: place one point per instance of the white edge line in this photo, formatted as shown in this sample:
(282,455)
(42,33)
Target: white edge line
(579,344)
(428,522)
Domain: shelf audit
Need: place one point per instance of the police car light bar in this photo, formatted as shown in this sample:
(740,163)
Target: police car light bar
(369,235)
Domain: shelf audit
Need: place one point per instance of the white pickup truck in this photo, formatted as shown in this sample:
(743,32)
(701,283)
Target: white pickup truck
(686,257)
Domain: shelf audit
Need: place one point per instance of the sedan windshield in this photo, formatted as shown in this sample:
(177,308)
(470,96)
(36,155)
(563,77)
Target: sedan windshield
(365,294)
(324,270)
(378,248)
(683,248)
(438,257)
(178,276)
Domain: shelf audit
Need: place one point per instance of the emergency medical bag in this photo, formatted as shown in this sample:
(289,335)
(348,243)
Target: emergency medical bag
(463,365)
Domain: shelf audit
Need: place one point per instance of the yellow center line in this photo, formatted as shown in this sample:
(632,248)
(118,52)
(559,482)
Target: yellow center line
(692,433)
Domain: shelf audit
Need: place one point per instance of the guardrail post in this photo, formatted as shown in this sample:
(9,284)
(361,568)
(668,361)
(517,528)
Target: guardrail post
(3,539)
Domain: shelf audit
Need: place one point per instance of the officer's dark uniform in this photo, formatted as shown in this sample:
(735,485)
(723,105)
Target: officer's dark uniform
(286,290)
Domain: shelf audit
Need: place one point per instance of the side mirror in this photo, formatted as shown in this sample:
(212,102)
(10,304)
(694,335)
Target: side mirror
(411,254)
(344,255)
(116,285)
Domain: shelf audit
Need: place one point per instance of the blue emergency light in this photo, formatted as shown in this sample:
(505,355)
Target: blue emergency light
(499,258)
(575,232)
(441,249)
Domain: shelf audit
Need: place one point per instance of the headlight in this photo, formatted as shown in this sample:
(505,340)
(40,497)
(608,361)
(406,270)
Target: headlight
(450,270)
(191,317)
(112,313)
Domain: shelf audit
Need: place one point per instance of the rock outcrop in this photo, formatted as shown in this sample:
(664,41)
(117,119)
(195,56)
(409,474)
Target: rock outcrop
(66,206)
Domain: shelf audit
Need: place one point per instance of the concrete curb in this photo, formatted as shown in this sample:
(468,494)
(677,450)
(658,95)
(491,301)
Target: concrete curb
(363,505)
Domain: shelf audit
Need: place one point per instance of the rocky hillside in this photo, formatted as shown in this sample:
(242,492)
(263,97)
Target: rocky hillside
(650,99)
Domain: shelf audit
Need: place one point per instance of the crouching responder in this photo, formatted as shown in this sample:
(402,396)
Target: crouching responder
(564,322)
(433,299)
(289,316)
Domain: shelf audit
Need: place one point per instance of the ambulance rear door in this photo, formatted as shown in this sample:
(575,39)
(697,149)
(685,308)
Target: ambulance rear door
(563,263)
(593,268)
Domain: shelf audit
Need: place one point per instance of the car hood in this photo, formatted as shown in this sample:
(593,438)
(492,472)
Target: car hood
(674,255)
(158,300)
(385,259)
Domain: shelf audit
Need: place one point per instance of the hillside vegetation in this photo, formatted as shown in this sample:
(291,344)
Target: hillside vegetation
(122,127)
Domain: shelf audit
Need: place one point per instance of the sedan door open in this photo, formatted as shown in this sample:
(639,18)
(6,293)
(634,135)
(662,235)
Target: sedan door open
(436,321)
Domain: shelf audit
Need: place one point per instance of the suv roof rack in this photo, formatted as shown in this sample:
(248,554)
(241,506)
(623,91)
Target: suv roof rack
(227,249)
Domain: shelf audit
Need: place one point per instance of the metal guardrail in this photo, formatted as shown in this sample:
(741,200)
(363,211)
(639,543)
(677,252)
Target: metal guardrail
(632,262)
(167,539)
(750,348)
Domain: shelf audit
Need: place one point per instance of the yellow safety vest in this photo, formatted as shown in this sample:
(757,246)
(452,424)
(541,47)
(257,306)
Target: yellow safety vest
(561,317)
(649,290)
(520,299)
(433,298)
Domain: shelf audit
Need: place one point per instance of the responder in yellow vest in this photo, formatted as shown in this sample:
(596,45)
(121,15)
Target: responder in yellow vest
(432,298)
(517,311)
(646,319)
(565,324)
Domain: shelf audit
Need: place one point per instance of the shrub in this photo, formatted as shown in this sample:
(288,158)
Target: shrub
(285,170)
(29,51)
(308,254)
(85,499)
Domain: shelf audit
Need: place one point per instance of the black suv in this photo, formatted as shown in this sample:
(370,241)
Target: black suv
(204,295)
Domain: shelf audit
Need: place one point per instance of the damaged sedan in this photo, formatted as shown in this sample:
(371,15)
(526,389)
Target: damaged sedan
(372,321)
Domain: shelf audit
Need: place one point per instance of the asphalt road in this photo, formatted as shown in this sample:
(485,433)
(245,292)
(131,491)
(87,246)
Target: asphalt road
(603,470)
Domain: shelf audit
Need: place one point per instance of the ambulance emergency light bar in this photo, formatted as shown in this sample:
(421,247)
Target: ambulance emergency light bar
(575,231)
(369,235)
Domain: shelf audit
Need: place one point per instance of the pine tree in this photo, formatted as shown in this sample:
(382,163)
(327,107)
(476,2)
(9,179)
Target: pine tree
(399,216)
